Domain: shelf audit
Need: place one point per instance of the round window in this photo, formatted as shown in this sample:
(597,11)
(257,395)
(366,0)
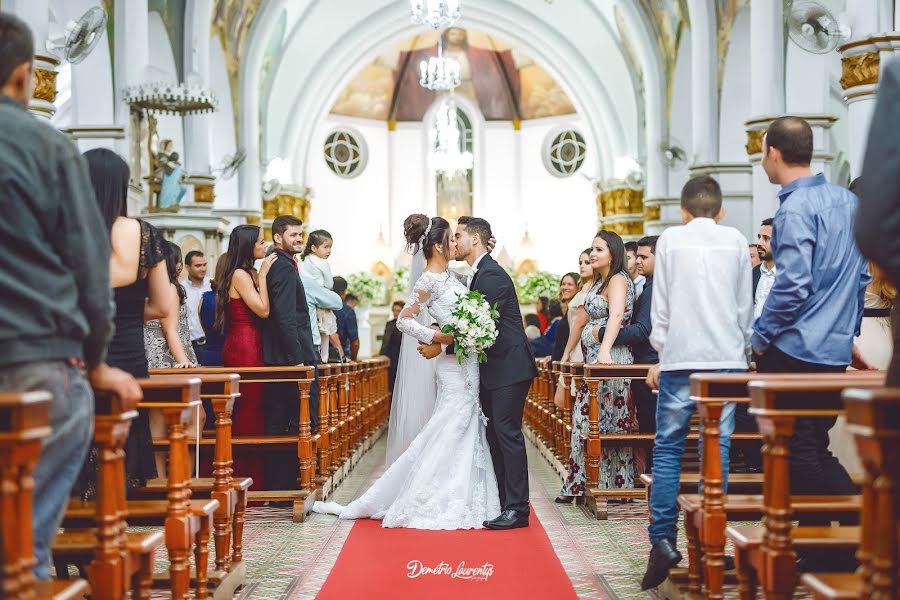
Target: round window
(345,154)
(564,152)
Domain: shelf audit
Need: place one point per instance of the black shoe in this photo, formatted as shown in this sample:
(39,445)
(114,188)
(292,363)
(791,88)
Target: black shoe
(564,499)
(508,519)
(663,557)
(729,563)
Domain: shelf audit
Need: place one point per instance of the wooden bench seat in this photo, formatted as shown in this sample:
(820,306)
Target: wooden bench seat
(748,507)
(834,586)
(60,590)
(80,512)
(843,537)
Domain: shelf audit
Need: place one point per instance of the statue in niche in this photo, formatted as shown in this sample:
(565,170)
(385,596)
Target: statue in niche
(167,173)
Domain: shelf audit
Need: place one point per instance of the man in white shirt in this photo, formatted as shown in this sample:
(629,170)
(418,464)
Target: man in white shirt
(764,272)
(194,286)
(701,321)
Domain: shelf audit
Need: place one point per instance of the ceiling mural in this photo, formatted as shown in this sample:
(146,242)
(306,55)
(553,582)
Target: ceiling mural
(172,14)
(504,83)
(668,20)
(231,22)
(726,13)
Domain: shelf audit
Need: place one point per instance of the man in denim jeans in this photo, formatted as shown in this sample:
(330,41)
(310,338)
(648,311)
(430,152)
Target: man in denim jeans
(701,322)
(56,311)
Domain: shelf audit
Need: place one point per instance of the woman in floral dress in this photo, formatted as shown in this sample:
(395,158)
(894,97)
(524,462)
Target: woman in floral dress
(608,306)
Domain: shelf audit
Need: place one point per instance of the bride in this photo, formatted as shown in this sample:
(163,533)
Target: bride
(445,479)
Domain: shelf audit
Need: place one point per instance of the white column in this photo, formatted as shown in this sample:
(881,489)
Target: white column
(704,81)
(197,69)
(767,97)
(36,14)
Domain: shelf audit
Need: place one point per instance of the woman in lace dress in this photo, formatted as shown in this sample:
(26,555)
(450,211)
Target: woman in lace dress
(167,342)
(445,479)
(608,305)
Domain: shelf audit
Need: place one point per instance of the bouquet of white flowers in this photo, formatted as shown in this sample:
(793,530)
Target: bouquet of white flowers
(474,326)
(370,289)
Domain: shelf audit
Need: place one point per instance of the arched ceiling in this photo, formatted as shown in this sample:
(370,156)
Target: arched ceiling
(504,82)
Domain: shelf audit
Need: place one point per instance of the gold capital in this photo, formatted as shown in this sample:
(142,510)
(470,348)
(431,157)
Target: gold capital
(860,69)
(45,85)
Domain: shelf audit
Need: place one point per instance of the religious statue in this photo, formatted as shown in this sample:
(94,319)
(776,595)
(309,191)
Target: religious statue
(168,173)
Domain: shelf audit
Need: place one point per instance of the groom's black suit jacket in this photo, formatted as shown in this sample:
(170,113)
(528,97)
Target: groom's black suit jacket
(510,359)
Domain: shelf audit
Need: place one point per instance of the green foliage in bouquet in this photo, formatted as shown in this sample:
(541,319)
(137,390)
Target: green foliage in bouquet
(531,286)
(370,289)
(400,283)
(474,326)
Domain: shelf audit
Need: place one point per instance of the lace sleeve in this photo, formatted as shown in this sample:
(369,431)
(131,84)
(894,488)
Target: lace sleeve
(151,248)
(419,298)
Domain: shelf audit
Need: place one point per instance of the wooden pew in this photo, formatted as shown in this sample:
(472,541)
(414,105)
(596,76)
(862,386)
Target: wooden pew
(119,560)
(706,514)
(24,422)
(767,554)
(874,418)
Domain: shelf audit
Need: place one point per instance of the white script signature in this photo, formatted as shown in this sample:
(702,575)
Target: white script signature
(415,568)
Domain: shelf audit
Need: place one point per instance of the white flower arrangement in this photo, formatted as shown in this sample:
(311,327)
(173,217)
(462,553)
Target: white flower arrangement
(370,289)
(400,283)
(532,286)
(474,326)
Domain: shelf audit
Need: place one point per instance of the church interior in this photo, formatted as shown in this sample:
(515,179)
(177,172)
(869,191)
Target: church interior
(562,117)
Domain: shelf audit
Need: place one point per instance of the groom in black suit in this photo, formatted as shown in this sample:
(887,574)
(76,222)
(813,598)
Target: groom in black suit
(505,377)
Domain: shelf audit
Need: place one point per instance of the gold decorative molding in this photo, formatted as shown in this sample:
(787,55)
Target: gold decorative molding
(253,220)
(287,204)
(652,213)
(620,201)
(754,141)
(45,85)
(630,228)
(204,193)
(860,69)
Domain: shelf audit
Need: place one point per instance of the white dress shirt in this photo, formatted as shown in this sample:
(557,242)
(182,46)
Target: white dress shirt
(702,310)
(194,295)
(766,281)
(639,283)
(474,269)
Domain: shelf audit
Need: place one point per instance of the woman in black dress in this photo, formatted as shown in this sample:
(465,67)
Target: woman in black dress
(140,285)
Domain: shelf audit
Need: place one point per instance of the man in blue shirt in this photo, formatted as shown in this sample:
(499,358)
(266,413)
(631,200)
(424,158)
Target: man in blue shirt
(348,330)
(815,307)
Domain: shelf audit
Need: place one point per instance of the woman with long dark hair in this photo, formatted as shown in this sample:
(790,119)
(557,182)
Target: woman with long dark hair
(242,297)
(609,305)
(212,349)
(541,309)
(140,286)
(167,340)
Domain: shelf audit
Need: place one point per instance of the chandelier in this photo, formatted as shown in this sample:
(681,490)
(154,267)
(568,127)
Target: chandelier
(436,14)
(171,98)
(447,156)
(439,73)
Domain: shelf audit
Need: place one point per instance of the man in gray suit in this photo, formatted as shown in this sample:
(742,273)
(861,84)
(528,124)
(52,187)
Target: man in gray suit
(878,219)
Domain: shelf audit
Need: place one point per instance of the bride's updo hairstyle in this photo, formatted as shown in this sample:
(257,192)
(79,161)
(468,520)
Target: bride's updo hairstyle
(422,232)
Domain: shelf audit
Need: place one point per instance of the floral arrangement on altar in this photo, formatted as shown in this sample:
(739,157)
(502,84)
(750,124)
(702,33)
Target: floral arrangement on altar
(531,286)
(400,282)
(474,326)
(370,289)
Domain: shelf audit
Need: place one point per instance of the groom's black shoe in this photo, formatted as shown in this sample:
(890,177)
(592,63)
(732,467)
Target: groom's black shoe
(508,519)
(663,557)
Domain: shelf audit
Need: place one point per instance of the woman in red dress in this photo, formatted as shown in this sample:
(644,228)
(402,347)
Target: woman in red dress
(242,298)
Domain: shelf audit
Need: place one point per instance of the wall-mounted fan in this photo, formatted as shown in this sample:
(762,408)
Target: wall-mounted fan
(271,188)
(230,163)
(80,37)
(635,179)
(674,155)
(813,27)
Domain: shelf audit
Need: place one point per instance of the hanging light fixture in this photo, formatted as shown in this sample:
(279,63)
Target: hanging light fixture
(439,73)
(447,156)
(436,14)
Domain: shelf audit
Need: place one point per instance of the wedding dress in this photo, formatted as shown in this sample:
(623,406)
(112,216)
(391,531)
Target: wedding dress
(445,479)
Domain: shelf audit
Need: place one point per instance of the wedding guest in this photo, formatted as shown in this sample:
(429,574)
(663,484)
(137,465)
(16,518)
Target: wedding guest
(56,316)
(568,289)
(808,322)
(764,272)
(390,343)
(212,349)
(631,267)
(637,337)
(609,304)
(319,297)
(577,319)
(348,330)
(196,284)
(314,265)
(242,297)
(754,255)
(532,326)
(543,346)
(878,221)
(540,307)
(702,326)
(287,340)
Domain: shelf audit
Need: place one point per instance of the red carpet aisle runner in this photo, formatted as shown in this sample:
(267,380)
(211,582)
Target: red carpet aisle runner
(411,563)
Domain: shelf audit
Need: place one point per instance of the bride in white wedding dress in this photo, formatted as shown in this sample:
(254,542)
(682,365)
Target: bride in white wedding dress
(445,479)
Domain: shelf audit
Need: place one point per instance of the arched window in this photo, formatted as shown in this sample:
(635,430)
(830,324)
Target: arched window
(454,192)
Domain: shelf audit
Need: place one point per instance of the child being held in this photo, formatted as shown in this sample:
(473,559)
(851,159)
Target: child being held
(315,266)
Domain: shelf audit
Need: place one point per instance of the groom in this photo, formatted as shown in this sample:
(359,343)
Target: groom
(506,376)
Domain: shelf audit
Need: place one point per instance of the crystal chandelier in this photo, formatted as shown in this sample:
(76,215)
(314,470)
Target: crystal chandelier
(436,14)
(447,156)
(438,73)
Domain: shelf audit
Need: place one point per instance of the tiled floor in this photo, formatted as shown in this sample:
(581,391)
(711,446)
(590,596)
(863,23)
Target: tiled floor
(604,559)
